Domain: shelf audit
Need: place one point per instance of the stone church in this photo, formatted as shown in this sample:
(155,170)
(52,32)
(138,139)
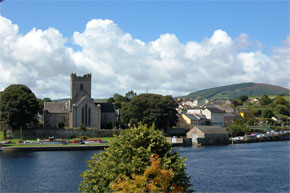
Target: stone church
(80,109)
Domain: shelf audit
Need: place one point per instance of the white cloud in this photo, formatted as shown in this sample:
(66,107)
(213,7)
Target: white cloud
(118,62)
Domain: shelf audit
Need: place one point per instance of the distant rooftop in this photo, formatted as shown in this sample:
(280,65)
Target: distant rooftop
(215,109)
(212,129)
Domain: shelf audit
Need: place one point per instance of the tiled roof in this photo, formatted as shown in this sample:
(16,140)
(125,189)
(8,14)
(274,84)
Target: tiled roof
(200,116)
(56,107)
(215,110)
(192,117)
(212,129)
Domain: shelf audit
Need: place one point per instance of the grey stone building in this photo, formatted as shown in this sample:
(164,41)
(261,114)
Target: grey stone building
(208,135)
(80,109)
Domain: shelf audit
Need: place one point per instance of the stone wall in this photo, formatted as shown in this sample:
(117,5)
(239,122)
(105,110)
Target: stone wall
(63,133)
(53,119)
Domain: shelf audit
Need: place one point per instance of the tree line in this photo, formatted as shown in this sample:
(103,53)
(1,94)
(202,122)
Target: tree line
(19,107)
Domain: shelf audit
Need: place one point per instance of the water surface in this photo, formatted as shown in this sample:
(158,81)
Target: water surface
(255,167)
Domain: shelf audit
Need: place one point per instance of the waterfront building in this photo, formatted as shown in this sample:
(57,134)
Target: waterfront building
(208,135)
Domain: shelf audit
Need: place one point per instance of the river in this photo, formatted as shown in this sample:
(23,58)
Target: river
(253,167)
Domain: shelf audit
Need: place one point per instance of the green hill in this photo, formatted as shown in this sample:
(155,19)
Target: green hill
(236,90)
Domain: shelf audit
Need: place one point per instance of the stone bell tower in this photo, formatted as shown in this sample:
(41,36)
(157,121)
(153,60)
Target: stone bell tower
(80,86)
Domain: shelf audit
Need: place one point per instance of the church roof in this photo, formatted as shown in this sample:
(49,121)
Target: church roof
(56,107)
(106,107)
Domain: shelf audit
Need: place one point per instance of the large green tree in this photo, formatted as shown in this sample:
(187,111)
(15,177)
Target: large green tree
(119,98)
(41,104)
(130,94)
(129,154)
(265,100)
(18,106)
(149,109)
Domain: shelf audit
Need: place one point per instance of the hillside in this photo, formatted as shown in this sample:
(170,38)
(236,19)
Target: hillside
(236,90)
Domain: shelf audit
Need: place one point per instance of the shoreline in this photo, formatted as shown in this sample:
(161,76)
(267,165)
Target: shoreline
(102,147)
(55,148)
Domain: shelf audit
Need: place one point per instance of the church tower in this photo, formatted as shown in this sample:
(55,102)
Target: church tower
(80,86)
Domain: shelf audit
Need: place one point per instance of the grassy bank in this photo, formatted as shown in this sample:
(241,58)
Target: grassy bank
(52,145)
(15,142)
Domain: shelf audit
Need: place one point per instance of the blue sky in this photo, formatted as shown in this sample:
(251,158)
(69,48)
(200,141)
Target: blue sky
(266,21)
(173,47)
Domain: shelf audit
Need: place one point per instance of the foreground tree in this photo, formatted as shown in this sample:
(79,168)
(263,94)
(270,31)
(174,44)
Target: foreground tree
(149,109)
(154,179)
(130,153)
(18,106)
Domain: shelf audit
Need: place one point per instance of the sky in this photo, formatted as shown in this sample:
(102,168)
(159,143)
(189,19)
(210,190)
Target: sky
(165,47)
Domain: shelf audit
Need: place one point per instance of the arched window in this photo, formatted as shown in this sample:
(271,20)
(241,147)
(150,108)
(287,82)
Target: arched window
(83,116)
(81,87)
(86,115)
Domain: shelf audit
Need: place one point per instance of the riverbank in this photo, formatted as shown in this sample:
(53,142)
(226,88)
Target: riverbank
(260,138)
(54,148)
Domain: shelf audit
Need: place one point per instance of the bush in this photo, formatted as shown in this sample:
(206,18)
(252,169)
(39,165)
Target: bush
(243,98)
(265,100)
(267,113)
(130,153)
(258,113)
(282,109)
(83,137)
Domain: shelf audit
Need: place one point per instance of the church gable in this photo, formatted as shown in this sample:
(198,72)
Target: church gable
(86,113)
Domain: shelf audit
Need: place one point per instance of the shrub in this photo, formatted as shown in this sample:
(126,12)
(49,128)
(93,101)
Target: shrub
(83,137)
